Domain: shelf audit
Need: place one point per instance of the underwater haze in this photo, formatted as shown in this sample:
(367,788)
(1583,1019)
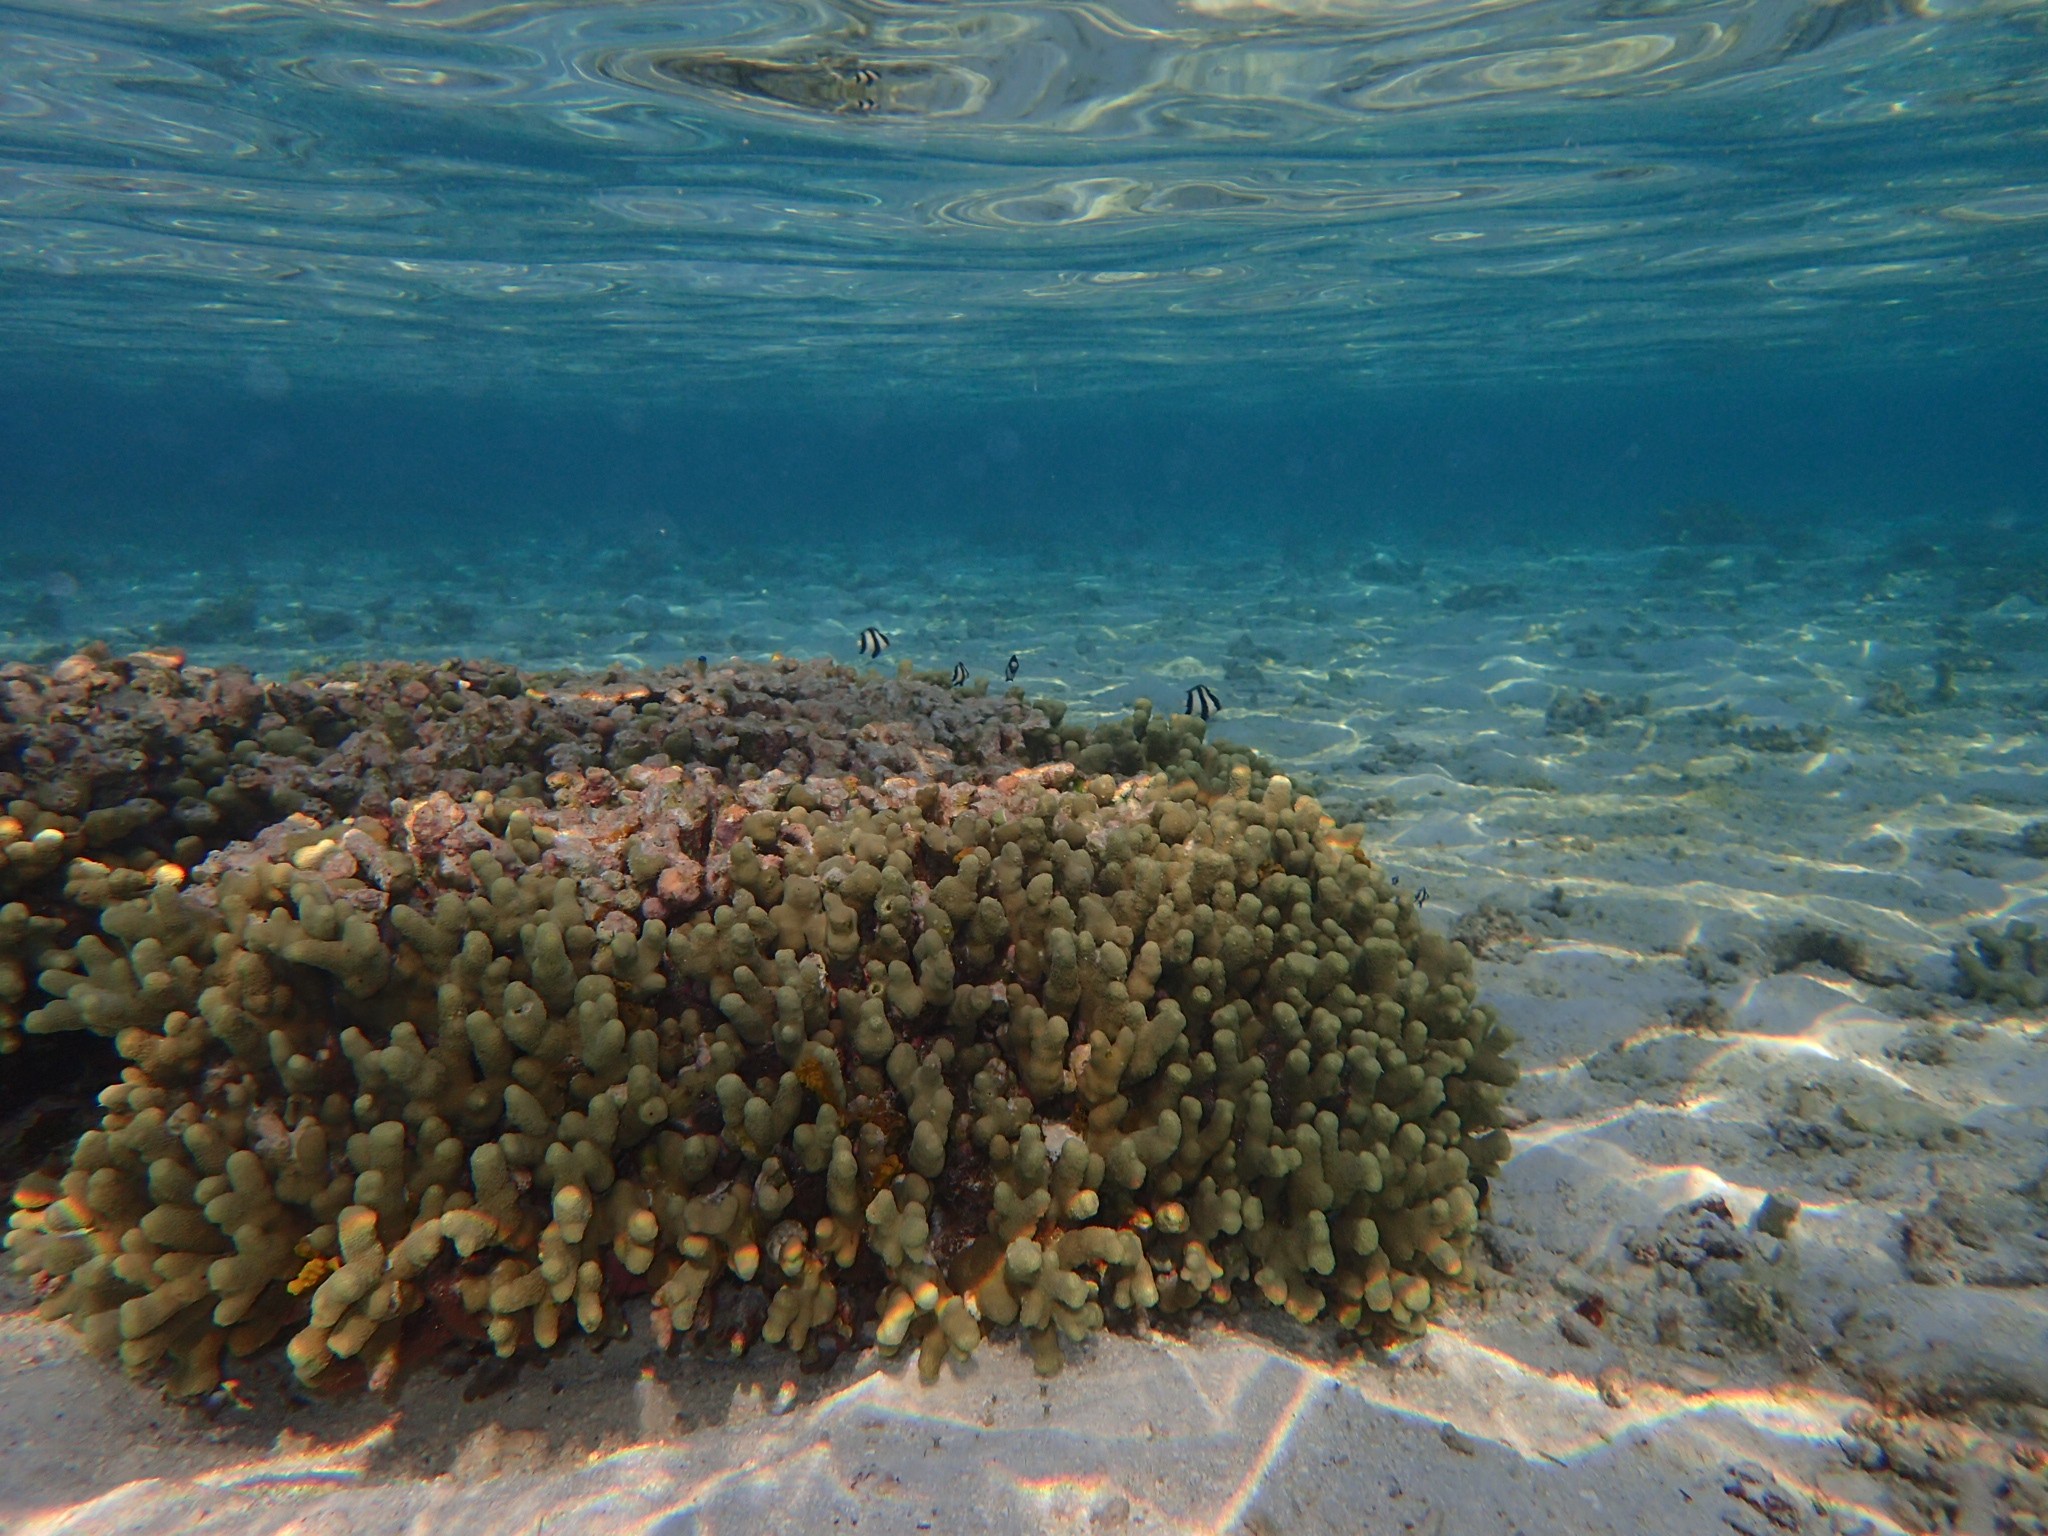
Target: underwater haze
(1591,451)
(1440,269)
(1443,267)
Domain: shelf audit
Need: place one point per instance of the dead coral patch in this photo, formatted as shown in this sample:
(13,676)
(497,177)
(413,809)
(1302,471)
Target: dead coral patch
(1583,711)
(2007,967)
(1480,597)
(1492,931)
(1813,944)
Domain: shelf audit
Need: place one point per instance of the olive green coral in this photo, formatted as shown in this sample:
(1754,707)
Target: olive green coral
(26,941)
(904,1061)
(1145,741)
(35,846)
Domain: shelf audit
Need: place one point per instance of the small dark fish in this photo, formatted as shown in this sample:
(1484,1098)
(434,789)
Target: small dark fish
(1201,702)
(959,674)
(873,642)
(1010,670)
(1422,896)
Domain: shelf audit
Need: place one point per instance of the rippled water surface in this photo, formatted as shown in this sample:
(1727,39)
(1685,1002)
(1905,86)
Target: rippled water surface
(1033,192)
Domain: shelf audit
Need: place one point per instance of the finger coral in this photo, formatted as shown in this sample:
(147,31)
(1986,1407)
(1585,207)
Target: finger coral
(800,1055)
(121,768)
(136,762)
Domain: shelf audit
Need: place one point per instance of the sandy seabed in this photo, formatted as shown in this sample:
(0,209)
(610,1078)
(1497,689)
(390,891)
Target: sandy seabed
(1713,819)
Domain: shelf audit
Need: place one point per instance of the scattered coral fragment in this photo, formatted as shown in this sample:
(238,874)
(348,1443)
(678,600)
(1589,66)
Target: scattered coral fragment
(2008,968)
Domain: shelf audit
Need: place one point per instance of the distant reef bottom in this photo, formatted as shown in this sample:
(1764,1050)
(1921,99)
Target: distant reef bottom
(819,1008)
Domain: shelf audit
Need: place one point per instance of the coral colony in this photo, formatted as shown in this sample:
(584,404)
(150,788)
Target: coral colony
(810,1006)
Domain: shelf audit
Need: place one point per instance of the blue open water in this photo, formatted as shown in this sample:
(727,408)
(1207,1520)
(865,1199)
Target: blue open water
(1445,267)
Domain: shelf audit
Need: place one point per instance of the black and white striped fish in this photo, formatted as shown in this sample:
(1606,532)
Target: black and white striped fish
(959,674)
(1202,702)
(873,642)
(1010,670)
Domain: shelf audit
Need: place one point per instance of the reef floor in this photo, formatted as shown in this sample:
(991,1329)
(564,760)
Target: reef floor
(1714,821)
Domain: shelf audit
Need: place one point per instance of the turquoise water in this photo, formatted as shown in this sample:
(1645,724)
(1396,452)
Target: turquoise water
(1145,279)
(1263,199)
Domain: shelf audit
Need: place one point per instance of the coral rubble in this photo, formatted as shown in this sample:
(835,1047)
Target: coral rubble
(951,1042)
